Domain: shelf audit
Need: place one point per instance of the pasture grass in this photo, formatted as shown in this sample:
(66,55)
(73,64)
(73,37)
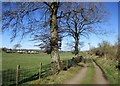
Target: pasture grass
(11,60)
(89,78)
(109,68)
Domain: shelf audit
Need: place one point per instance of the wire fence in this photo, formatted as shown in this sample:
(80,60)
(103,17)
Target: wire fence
(27,74)
(19,75)
(8,77)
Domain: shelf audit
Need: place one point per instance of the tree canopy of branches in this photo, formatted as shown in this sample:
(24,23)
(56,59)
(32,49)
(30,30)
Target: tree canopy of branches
(81,21)
(39,20)
(36,19)
(45,22)
(17,46)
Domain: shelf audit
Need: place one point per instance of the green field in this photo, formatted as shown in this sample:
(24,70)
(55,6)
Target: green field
(29,65)
(11,60)
(31,62)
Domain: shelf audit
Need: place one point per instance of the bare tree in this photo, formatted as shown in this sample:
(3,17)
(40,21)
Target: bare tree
(81,21)
(44,42)
(34,19)
(17,46)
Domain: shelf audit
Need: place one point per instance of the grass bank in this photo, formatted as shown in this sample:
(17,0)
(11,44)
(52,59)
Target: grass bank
(109,68)
(59,78)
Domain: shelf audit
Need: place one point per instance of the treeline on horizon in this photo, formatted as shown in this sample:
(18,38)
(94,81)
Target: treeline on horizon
(104,50)
(10,49)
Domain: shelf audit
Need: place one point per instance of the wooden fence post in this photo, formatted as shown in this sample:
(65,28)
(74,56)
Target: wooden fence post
(40,70)
(17,74)
(67,64)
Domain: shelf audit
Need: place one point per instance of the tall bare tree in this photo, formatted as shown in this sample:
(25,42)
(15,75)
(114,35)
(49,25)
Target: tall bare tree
(32,18)
(37,19)
(81,21)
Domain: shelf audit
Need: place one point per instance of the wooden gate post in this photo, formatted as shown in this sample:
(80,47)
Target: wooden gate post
(17,74)
(40,69)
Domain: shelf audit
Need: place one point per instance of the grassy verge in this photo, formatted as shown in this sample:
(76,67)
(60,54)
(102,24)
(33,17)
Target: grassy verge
(109,69)
(89,78)
(60,78)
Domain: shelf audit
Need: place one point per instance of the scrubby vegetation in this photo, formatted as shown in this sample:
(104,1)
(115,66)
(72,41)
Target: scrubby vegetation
(107,57)
(106,50)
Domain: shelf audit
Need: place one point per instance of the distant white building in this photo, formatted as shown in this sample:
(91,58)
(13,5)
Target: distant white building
(27,51)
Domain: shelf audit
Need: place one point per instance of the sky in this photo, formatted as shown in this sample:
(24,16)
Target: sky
(65,0)
(111,26)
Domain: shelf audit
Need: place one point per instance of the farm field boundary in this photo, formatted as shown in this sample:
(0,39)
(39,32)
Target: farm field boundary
(21,75)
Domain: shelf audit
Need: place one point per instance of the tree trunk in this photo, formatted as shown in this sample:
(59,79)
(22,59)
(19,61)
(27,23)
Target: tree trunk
(54,37)
(76,39)
(76,45)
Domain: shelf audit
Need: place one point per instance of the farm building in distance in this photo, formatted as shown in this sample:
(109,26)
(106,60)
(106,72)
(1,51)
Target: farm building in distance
(27,51)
